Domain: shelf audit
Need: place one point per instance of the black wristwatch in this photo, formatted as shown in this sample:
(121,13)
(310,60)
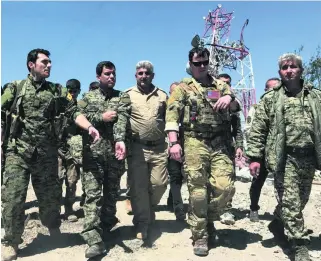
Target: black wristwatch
(171,144)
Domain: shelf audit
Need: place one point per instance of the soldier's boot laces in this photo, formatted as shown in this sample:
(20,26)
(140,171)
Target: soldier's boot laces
(95,250)
(301,253)
(9,253)
(201,247)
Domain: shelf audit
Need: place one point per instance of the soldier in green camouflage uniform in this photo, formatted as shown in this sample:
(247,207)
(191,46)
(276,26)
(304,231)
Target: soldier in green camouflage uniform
(103,163)
(286,129)
(69,166)
(3,141)
(203,103)
(32,148)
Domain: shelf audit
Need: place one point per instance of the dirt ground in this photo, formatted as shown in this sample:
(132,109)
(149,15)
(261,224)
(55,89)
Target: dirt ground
(169,239)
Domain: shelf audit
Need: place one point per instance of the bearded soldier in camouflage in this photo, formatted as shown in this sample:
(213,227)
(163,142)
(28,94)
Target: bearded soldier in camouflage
(103,163)
(37,112)
(69,166)
(203,103)
(286,129)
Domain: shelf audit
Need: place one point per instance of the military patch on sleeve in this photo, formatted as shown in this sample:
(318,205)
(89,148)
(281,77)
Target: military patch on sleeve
(69,97)
(249,119)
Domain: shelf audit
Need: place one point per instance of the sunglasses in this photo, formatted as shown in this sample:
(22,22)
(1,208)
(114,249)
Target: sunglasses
(199,64)
(146,73)
(74,90)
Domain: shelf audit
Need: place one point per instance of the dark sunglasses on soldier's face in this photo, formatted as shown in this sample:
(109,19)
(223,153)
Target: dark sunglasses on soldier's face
(199,64)
(141,73)
(73,90)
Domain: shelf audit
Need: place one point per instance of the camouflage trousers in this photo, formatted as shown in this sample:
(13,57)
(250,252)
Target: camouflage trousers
(42,165)
(209,170)
(69,172)
(101,182)
(293,188)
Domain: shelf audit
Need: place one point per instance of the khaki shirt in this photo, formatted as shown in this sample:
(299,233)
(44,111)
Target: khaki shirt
(147,114)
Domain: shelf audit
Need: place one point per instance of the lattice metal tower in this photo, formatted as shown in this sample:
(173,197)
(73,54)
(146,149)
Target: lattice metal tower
(232,55)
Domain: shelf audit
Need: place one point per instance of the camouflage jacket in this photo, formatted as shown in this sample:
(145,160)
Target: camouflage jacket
(69,130)
(270,131)
(189,104)
(75,148)
(249,120)
(40,105)
(93,105)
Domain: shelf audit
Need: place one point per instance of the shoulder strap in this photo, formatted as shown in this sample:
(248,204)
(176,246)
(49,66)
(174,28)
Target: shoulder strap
(15,101)
(198,87)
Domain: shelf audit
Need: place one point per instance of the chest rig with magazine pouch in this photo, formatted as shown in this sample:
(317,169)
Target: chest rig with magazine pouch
(199,114)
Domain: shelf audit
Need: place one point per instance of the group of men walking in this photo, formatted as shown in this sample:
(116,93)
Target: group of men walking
(196,128)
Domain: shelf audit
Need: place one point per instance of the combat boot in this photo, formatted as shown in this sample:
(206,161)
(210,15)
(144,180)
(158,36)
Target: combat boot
(96,250)
(301,250)
(301,253)
(9,252)
(201,247)
(254,216)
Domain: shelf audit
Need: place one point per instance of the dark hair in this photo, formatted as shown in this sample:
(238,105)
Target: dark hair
(4,87)
(33,55)
(73,84)
(225,75)
(93,86)
(199,51)
(101,65)
(272,79)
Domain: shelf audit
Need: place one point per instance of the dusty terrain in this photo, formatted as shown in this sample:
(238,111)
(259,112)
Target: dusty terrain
(169,239)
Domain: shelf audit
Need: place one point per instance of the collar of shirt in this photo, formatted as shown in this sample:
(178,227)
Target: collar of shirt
(107,94)
(153,90)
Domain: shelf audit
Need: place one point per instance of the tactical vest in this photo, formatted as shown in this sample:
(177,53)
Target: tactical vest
(199,115)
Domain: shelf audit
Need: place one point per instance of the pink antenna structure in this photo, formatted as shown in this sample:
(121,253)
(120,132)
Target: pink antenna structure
(232,55)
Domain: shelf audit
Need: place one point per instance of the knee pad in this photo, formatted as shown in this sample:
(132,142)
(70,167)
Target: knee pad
(198,200)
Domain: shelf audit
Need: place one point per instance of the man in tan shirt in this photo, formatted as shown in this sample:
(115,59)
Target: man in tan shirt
(147,164)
